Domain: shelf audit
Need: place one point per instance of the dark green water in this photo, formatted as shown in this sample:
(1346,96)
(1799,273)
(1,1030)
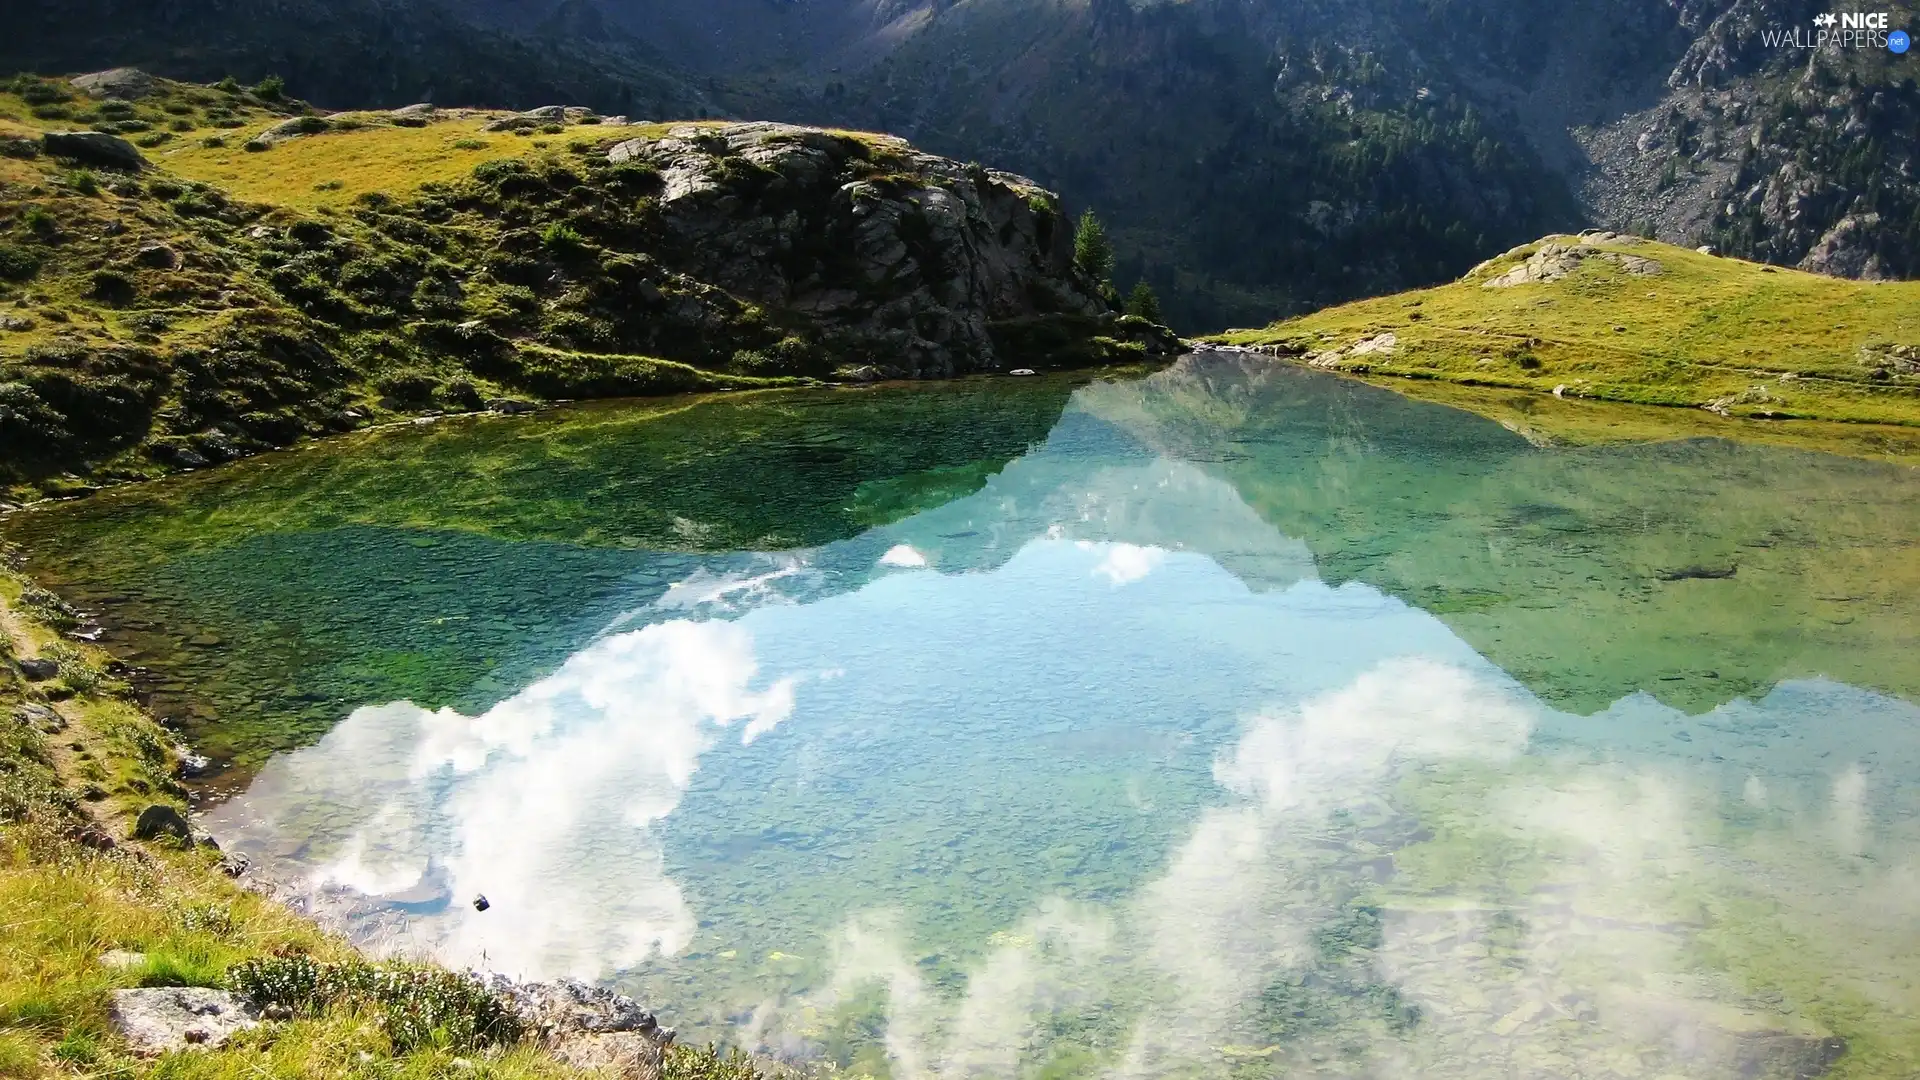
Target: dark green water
(1231,721)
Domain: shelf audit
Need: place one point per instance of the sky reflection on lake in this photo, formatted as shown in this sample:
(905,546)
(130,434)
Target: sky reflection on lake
(1091,772)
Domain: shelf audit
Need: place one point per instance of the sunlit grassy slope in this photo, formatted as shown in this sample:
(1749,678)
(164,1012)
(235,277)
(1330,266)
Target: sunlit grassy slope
(1691,330)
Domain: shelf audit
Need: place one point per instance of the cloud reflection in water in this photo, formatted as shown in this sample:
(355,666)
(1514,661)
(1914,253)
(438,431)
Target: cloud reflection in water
(546,803)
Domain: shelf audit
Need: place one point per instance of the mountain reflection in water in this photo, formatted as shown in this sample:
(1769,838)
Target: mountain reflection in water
(1383,744)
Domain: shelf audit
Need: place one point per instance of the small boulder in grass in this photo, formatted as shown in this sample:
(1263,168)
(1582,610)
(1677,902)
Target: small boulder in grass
(162,820)
(157,1019)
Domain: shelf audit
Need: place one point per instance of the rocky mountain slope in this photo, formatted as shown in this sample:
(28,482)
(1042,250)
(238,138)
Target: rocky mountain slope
(358,53)
(1372,144)
(1254,157)
(257,272)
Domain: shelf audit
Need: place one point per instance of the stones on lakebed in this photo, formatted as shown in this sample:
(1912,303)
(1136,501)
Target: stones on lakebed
(158,1019)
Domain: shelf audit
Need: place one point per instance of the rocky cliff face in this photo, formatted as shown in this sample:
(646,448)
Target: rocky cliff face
(904,262)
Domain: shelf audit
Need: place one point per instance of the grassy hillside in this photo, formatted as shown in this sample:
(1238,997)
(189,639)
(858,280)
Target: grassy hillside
(277,273)
(1616,318)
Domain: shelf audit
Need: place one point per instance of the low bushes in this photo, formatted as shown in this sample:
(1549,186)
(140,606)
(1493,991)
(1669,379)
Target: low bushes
(419,1007)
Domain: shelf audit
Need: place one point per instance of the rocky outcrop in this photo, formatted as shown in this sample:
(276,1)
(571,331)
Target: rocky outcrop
(589,1027)
(1553,260)
(125,84)
(904,261)
(1848,250)
(156,1020)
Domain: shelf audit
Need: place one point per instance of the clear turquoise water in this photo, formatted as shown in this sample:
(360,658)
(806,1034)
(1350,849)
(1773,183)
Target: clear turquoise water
(1229,721)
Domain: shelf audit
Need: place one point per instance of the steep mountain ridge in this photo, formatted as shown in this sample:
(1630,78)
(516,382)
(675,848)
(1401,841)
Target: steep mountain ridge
(1253,157)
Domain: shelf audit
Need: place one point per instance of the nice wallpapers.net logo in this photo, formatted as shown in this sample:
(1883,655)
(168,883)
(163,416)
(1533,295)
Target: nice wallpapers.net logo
(1842,30)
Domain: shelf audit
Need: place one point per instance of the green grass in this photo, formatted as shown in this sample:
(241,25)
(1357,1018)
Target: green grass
(1747,340)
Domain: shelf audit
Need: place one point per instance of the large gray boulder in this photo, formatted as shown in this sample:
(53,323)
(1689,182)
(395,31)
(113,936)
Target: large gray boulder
(93,148)
(158,1019)
(127,84)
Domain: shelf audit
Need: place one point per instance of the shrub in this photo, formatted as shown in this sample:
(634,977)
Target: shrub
(228,85)
(79,675)
(84,182)
(271,88)
(213,142)
(48,609)
(636,176)
(707,1063)
(256,146)
(28,425)
(420,1007)
(38,91)
(1092,251)
(41,223)
(24,149)
(1143,302)
(52,112)
(112,287)
(408,386)
(469,144)
(18,263)
(158,138)
(181,125)
(562,237)
(752,362)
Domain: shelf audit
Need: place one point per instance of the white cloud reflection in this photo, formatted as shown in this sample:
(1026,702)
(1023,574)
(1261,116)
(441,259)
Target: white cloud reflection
(1124,564)
(546,803)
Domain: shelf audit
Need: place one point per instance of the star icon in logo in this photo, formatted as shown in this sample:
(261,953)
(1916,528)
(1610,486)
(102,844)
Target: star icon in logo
(1827,19)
